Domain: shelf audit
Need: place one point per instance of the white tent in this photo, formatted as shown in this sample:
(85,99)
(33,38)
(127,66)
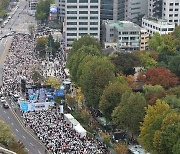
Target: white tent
(80,130)
(73,123)
(68,117)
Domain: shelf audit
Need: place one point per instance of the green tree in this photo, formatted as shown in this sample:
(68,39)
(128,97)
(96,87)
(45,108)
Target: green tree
(78,58)
(147,61)
(41,46)
(124,63)
(85,40)
(96,75)
(42,10)
(152,123)
(6,135)
(36,76)
(111,97)
(173,101)
(130,112)
(150,89)
(174,65)
(54,82)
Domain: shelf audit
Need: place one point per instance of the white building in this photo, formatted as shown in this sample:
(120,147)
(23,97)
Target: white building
(61,9)
(144,39)
(82,17)
(32,6)
(171,11)
(135,9)
(155,8)
(160,26)
(125,33)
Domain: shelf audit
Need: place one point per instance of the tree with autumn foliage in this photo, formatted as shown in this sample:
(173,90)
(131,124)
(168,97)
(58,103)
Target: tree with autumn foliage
(160,129)
(159,76)
(120,148)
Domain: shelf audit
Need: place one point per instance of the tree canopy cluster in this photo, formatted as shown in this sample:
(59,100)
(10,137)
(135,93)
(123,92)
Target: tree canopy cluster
(107,84)
(3,7)
(8,141)
(42,10)
(47,45)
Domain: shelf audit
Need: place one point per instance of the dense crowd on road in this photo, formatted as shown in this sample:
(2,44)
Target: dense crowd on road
(21,61)
(55,133)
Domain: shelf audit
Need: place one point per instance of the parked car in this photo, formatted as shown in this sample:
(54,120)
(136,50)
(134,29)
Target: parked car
(5,105)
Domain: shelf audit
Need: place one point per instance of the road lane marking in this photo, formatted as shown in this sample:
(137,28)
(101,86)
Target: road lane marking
(8,118)
(12,124)
(17,130)
(24,137)
(39,151)
(31,144)
(27,149)
(4,111)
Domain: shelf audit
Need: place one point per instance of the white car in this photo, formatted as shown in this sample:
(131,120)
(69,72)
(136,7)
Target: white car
(3,100)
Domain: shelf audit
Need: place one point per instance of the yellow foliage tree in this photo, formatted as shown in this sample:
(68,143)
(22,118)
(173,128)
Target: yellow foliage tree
(121,148)
(54,82)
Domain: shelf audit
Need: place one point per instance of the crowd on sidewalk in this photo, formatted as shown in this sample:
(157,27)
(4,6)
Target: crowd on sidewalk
(55,133)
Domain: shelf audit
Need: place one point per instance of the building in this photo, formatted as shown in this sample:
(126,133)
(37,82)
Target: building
(171,11)
(155,8)
(144,39)
(32,6)
(61,9)
(154,25)
(53,12)
(112,10)
(82,17)
(125,33)
(135,10)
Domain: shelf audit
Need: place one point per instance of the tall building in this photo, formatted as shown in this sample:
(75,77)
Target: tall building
(135,9)
(125,33)
(112,10)
(32,6)
(171,11)
(155,8)
(61,9)
(82,17)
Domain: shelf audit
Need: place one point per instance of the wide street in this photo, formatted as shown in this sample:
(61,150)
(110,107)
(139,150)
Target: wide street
(19,23)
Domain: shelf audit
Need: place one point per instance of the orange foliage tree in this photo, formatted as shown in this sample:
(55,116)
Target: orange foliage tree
(159,76)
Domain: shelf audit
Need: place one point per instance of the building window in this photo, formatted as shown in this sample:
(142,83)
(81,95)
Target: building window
(71,6)
(93,17)
(81,34)
(176,15)
(71,23)
(94,34)
(83,12)
(176,9)
(94,1)
(83,23)
(170,29)
(93,23)
(171,4)
(71,28)
(93,28)
(170,9)
(71,1)
(83,28)
(83,18)
(72,18)
(170,15)
(71,34)
(93,12)
(94,7)
(176,4)
(83,6)
(71,12)
(83,1)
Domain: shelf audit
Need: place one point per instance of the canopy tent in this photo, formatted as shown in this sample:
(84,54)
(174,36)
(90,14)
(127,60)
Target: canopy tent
(68,117)
(73,123)
(80,130)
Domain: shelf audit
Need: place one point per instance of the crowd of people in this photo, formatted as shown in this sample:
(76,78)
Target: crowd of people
(59,138)
(48,125)
(19,63)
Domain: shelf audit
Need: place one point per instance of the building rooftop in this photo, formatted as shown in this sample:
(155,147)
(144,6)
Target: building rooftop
(158,21)
(123,25)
